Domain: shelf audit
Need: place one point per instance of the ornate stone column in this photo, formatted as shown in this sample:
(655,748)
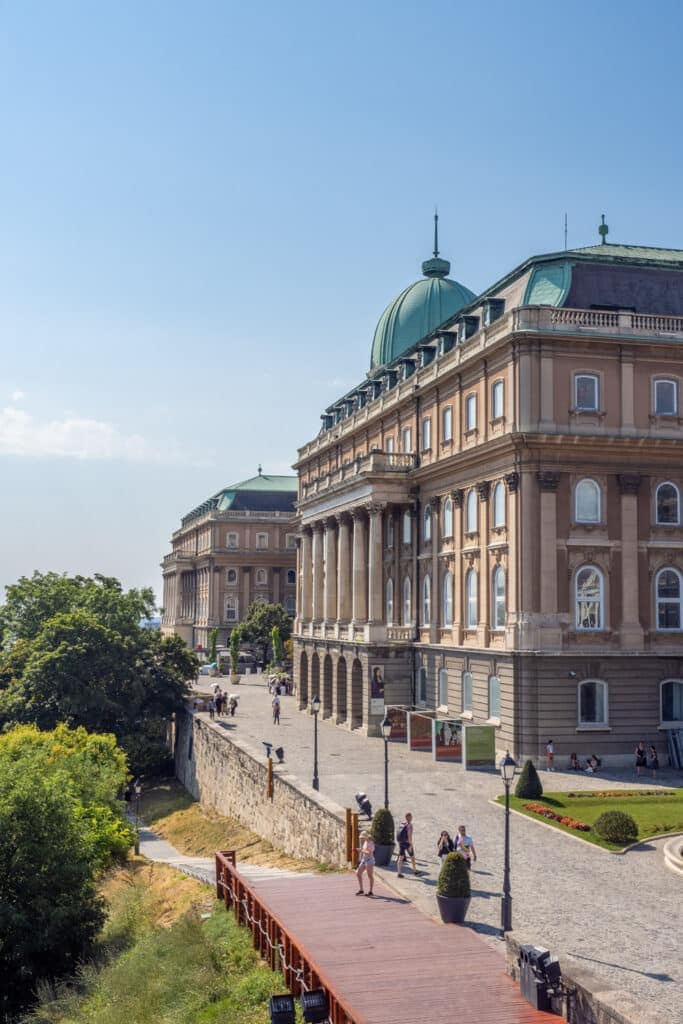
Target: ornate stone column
(484,628)
(436,595)
(344,584)
(457,566)
(631,631)
(306,576)
(548,481)
(318,571)
(330,571)
(375,602)
(360,569)
(512,483)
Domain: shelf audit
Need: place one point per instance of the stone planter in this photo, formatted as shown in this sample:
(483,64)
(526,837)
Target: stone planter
(453,908)
(383,854)
(234,679)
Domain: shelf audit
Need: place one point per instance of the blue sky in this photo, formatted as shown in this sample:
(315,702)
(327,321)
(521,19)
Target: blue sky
(205,207)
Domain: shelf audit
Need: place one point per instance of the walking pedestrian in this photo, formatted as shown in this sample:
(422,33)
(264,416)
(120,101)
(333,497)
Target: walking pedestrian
(232,704)
(641,757)
(219,698)
(406,848)
(276,710)
(444,846)
(464,845)
(653,760)
(366,863)
(550,755)
(212,708)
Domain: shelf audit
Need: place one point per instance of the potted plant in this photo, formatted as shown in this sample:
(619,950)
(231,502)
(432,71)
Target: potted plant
(382,832)
(453,892)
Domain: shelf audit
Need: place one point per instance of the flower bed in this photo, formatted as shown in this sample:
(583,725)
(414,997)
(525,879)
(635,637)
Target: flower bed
(546,812)
(620,793)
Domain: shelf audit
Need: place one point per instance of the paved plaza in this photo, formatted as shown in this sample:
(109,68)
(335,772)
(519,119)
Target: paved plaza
(620,916)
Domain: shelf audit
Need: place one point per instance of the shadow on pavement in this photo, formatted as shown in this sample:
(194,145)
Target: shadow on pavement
(631,970)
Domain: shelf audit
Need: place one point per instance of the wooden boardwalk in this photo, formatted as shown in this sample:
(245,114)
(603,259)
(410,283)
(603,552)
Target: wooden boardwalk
(382,959)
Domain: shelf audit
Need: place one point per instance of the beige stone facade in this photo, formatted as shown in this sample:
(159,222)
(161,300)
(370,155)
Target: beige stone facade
(495,517)
(236,548)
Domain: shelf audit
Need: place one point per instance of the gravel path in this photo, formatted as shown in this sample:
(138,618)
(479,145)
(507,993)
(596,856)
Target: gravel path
(620,916)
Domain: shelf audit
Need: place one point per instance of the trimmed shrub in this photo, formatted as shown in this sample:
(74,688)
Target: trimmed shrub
(454,878)
(529,786)
(382,827)
(616,827)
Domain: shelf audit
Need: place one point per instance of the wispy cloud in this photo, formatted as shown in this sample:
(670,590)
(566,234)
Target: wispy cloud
(73,437)
(18,396)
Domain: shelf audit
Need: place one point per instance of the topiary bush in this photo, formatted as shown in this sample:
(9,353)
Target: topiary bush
(382,827)
(616,827)
(529,786)
(454,878)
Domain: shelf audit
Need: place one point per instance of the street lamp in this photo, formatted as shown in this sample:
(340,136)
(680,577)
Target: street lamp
(137,789)
(507,771)
(386,733)
(315,708)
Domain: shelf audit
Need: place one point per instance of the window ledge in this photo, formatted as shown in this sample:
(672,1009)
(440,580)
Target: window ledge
(493,721)
(593,728)
(467,714)
(447,442)
(497,421)
(472,432)
(670,725)
(443,707)
(427,451)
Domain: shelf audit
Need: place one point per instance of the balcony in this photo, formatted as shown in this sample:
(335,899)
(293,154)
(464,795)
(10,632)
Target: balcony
(365,465)
(548,319)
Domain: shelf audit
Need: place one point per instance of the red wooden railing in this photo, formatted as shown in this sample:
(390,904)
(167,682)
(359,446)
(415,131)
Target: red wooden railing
(271,938)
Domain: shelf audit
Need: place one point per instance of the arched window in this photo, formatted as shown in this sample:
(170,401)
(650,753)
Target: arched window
(407,602)
(471,412)
(471,516)
(589,598)
(586,392)
(422,686)
(231,609)
(587,502)
(427,524)
(498,505)
(471,595)
(494,697)
(407,528)
(499,598)
(447,603)
(390,601)
(426,601)
(443,688)
(672,703)
(665,398)
(668,504)
(291,576)
(668,591)
(592,702)
(447,518)
(467,691)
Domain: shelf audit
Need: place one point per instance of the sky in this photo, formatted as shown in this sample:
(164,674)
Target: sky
(205,207)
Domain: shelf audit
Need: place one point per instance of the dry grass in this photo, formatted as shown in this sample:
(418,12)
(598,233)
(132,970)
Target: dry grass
(199,831)
(168,894)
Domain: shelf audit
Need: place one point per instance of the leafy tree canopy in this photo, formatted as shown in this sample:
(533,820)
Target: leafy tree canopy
(260,621)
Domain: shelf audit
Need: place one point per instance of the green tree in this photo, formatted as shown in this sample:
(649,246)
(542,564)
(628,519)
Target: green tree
(50,910)
(276,641)
(213,643)
(259,622)
(235,641)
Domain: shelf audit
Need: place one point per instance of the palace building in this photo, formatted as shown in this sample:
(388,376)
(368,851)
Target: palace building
(237,547)
(492,517)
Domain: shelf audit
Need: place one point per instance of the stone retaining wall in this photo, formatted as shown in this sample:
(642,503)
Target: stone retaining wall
(590,999)
(230,776)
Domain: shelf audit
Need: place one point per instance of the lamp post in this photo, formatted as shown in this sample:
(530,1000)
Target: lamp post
(507,771)
(386,733)
(315,708)
(137,789)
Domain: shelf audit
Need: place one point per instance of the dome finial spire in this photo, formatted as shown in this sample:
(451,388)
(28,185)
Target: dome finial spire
(436,267)
(436,232)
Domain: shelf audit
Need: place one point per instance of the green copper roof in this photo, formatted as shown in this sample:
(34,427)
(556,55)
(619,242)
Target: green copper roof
(417,311)
(548,284)
(263,482)
(260,493)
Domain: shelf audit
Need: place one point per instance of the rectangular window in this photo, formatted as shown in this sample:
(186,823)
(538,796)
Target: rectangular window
(406,440)
(448,423)
(471,412)
(291,541)
(426,435)
(497,400)
(231,609)
(666,398)
(407,528)
(494,697)
(232,540)
(587,396)
(389,446)
(261,541)
(390,532)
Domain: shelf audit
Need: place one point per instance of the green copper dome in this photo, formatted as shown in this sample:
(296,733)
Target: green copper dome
(417,311)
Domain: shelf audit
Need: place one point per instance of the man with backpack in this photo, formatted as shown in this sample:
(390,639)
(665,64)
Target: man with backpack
(404,837)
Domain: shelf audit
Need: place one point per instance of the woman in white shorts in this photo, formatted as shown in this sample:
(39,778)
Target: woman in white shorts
(366,863)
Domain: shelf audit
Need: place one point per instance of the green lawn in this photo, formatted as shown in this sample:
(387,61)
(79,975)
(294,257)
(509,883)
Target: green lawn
(653,814)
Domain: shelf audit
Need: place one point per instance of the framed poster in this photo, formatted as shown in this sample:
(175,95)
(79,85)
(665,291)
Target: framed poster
(377,683)
(447,739)
(479,746)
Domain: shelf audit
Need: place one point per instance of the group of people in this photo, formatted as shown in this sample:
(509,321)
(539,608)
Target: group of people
(647,758)
(461,843)
(222,704)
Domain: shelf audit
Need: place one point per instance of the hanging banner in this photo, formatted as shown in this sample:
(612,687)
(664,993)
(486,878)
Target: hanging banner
(447,740)
(479,746)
